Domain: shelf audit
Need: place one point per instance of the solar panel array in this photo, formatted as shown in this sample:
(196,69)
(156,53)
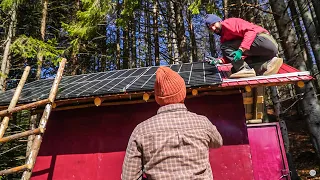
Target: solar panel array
(119,81)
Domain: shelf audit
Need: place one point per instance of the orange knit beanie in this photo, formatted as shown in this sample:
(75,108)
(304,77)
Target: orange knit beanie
(169,87)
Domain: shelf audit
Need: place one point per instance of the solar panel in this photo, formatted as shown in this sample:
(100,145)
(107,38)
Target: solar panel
(119,81)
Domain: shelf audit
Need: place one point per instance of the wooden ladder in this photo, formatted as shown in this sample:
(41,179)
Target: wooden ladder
(27,168)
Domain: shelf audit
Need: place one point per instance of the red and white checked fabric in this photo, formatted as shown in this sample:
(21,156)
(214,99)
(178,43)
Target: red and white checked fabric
(174,144)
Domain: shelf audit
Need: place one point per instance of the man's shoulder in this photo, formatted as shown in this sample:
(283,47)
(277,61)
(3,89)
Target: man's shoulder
(158,120)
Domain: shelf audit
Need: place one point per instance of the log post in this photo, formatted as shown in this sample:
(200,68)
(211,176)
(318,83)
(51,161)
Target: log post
(24,107)
(14,100)
(20,135)
(31,159)
(14,170)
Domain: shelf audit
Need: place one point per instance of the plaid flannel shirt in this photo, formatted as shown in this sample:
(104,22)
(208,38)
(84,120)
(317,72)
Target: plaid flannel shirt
(174,144)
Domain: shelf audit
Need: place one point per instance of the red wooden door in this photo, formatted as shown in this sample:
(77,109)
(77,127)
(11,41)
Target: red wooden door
(268,155)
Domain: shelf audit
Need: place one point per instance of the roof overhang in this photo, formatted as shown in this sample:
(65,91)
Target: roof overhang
(286,75)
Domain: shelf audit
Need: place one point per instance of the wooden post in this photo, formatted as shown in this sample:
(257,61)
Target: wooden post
(14,170)
(20,135)
(254,106)
(31,159)
(14,100)
(23,107)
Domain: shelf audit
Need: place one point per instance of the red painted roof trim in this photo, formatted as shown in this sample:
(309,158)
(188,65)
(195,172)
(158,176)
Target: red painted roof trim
(286,74)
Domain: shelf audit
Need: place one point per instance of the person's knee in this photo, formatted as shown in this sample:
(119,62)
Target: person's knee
(226,49)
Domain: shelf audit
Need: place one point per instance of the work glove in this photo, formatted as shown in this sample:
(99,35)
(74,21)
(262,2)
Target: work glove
(213,61)
(237,55)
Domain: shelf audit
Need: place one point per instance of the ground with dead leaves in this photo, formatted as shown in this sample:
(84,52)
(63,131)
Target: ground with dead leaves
(303,153)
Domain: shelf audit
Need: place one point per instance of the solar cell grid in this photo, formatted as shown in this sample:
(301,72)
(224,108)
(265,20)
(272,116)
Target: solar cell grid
(94,87)
(98,75)
(119,81)
(175,67)
(185,68)
(105,76)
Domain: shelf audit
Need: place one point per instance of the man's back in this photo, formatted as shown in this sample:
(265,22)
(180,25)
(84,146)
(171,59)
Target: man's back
(175,144)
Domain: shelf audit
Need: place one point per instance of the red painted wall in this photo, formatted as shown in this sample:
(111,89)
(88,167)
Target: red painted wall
(90,143)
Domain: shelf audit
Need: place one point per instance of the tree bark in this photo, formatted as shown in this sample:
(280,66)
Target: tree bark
(316,7)
(43,33)
(5,60)
(234,8)
(173,26)
(314,18)
(148,36)
(225,9)
(303,43)
(156,32)
(134,41)
(194,54)
(74,60)
(125,57)
(310,104)
(212,43)
(118,38)
(181,39)
(310,29)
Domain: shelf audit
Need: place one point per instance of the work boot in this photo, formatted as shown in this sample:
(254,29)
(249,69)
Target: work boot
(243,73)
(273,66)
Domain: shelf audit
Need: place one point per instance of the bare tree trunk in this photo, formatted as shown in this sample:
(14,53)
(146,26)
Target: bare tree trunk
(303,43)
(173,24)
(33,125)
(74,60)
(234,8)
(212,43)
(314,18)
(5,60)
(316,7)
(310,105)
(181,39)
(134,41)
(156,32)
(125,58)
(310,29)
(169,46)
(103,64)
(43,33)
(129,43)
(225,9)
(139,54)
(34,118)
(194,55)
(148,36)
(118,39)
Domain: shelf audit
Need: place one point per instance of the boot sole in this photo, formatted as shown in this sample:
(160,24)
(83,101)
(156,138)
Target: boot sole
(275,67)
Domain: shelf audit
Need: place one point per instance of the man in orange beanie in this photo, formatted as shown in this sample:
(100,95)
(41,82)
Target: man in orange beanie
(174,144)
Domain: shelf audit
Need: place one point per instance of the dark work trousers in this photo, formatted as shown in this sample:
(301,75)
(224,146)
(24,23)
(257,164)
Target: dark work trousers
(263,49)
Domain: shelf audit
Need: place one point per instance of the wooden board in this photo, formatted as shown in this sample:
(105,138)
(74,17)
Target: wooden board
(268,154)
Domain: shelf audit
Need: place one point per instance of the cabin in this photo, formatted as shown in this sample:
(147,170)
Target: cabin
(94,114)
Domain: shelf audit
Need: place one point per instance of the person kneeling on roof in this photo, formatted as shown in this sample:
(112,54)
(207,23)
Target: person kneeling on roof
(242,38)
(174,144)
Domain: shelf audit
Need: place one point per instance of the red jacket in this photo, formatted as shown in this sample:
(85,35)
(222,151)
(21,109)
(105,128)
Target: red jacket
(236,28)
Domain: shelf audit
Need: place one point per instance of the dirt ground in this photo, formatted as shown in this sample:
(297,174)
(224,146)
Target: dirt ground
(303,153)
